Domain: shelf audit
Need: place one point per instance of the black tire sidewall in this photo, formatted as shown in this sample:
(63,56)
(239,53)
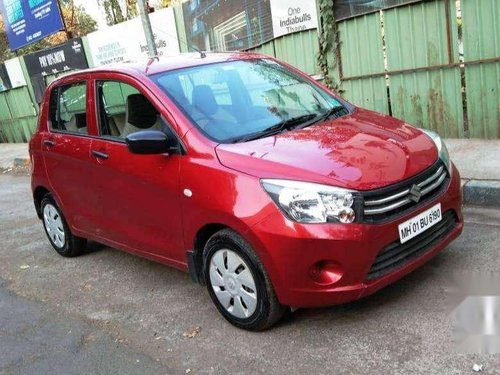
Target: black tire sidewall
(66,249)
(239,246)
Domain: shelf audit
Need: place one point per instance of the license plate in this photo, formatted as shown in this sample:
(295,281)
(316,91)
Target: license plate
(420,223)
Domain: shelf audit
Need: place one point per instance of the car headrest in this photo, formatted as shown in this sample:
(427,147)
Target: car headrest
(204,100)
(80,120)
(140,112)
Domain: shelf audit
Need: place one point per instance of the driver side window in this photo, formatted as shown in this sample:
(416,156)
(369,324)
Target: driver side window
(124,110)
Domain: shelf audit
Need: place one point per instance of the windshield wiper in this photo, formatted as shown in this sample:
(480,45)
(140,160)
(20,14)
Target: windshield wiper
(287,124)
(325,116)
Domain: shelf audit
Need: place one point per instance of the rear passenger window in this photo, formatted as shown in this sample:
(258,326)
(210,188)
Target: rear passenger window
(68,111)
(124,110)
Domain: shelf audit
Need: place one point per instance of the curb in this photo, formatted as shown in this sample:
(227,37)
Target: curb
(482,193)
(475,192)
(21,162)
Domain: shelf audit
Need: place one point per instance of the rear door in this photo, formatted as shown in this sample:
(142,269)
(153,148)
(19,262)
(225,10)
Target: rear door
(138,194)
(66,147)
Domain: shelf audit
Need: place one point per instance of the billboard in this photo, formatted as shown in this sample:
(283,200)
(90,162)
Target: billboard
(27,21)
(126,41)
(224,25)
(351,8)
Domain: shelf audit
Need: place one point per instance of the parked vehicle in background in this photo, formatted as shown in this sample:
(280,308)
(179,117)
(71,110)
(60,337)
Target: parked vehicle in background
(259,181)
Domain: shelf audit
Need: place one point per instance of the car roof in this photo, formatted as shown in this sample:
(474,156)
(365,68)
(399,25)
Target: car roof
(163,64)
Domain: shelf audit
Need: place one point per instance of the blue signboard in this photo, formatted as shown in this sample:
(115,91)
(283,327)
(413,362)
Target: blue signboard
(27,21)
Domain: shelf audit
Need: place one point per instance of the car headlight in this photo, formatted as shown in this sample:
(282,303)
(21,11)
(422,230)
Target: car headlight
(307,202)
(441,147)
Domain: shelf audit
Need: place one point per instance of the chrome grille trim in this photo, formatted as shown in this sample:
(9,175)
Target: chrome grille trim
(387,199)
(386,204)
(431,178)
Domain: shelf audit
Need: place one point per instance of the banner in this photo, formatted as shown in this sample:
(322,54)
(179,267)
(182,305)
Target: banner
(351,8)
(126,41)
(27,21)
(64,57)
(225,25)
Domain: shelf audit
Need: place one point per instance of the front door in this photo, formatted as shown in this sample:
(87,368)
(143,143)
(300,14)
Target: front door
(138,193)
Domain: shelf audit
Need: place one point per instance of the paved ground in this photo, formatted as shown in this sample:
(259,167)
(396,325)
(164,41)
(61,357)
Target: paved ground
(476,159)
(110,312)
(11,151)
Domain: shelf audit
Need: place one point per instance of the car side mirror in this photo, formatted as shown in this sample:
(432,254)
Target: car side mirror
(151,142)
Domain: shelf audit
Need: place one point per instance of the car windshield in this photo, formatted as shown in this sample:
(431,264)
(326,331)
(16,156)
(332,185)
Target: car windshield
(241,100)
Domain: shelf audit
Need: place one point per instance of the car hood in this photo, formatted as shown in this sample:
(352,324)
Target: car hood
(362,151)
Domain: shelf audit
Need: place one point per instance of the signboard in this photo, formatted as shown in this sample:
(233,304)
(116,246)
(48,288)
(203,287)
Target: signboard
(15,72)
(64,57)
(4,79)
(351,8)
(222,25)
(127,42)
(27,21)
(290,16)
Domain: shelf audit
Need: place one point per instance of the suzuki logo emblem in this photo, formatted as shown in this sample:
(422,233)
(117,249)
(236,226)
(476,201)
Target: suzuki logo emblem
(415,193)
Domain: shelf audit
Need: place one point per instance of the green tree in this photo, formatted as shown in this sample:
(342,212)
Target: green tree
(116,12)
(165,3)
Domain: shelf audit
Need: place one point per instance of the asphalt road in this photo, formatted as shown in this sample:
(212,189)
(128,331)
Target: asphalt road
(111,312)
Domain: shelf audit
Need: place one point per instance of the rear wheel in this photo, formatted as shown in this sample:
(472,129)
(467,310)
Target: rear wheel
(238,284)
(57,230)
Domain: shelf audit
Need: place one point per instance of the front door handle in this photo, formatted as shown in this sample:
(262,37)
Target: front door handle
(49,142)
(100,154)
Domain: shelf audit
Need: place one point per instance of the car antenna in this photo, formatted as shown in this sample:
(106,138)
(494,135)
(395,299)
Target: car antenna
(202,54)
(150,62)
(189,45)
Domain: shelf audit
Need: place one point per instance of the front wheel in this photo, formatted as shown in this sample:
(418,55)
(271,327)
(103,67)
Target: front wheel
(238,284)
(57,230)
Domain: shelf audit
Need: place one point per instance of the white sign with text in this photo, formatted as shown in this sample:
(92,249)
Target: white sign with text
(290,16)
(126,41)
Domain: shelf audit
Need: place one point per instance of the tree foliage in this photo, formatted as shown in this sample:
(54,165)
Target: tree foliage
(329,44)
(118,11)
(78,23)
(165,3)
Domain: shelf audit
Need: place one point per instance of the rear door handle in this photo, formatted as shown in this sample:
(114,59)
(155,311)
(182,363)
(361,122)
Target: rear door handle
(100,154)
(49,142)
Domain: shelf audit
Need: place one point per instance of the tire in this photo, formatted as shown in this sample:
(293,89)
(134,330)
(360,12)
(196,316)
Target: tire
(238,283)
(57,230)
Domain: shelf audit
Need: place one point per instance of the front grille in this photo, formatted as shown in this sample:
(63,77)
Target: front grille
(397,254)
(389,202)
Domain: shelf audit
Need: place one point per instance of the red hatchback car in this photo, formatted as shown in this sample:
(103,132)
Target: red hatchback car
(262,183)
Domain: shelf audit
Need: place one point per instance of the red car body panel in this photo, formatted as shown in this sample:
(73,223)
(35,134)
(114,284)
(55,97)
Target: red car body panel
(137,202)
(362,151)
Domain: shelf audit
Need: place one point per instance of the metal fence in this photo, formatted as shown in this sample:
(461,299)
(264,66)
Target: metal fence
(18,115)
(299,49)
(434,64)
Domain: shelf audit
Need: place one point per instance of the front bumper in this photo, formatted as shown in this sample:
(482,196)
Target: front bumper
(325,264)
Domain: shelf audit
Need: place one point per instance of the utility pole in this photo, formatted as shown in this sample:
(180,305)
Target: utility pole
(148,31)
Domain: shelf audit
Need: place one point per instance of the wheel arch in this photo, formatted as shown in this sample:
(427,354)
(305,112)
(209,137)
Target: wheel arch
(195,256)
(38,193)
